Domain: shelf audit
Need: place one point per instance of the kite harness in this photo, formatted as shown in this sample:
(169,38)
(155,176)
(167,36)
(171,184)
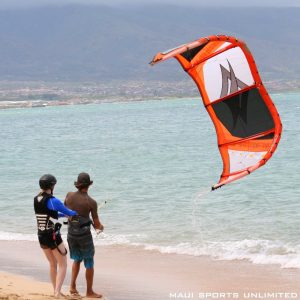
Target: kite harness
(47,209)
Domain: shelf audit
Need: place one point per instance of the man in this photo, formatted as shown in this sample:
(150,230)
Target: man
(80,239)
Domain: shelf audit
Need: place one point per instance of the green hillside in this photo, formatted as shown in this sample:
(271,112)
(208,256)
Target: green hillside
(92,43)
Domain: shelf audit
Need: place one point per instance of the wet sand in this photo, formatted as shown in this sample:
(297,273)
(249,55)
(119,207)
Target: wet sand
(131,273)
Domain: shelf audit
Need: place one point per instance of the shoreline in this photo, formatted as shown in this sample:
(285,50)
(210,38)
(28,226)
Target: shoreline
(236,252)
(43,104)
(40,93)
(123,273)
(4,105)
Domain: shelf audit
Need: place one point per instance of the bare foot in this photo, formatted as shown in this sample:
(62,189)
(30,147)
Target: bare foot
(74,292)
(59,295)
(93,295)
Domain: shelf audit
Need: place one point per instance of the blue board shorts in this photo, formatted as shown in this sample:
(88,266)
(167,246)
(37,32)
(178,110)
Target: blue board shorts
(82,249)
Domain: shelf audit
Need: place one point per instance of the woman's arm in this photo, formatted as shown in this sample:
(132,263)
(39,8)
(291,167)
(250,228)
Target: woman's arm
(56,204)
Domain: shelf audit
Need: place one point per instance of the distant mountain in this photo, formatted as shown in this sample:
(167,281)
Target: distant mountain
(98,43)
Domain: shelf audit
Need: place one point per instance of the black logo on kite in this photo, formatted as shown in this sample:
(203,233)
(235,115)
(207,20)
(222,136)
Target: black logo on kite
(238,105)
(235,83)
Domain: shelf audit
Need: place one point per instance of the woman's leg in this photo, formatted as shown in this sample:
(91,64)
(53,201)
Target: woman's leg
(53,266)
(62,268)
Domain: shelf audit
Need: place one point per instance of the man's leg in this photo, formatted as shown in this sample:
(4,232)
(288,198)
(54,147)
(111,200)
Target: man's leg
(75,255)
(75,272)
(89,275)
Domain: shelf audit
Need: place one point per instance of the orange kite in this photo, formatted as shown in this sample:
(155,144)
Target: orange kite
(247,123)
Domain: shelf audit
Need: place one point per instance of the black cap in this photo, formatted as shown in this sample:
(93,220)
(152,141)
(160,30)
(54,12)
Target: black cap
(83,180)
(47,181)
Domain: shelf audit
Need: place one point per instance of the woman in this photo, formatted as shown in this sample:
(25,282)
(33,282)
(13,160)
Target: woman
(47,207)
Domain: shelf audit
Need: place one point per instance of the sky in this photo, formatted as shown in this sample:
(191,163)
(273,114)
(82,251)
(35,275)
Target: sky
(239,3)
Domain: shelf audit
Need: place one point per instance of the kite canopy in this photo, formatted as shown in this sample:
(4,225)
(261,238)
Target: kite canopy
(247,123)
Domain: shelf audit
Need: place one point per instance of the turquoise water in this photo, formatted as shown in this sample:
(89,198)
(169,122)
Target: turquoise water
(155,162)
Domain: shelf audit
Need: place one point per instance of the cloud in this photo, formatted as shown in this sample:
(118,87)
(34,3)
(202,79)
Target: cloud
(219,3)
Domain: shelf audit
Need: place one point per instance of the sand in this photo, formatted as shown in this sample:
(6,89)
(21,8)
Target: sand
(131,273)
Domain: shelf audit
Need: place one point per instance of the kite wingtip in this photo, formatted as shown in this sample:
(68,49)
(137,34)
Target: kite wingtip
(216,186)
(157,58)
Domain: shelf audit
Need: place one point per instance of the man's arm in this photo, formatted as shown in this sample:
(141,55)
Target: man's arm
(96,221)
(98,225)
(66,200)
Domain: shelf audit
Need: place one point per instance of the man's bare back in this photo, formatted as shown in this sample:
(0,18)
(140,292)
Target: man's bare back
(83,202)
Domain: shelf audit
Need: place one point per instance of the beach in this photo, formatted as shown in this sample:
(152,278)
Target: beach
(131,273)
(166,235)
(190,166)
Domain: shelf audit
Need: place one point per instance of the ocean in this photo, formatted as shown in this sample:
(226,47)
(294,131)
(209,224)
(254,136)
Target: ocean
(154,163)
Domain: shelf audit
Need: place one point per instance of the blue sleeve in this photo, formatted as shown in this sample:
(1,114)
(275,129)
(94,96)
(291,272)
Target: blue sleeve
(56,204)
